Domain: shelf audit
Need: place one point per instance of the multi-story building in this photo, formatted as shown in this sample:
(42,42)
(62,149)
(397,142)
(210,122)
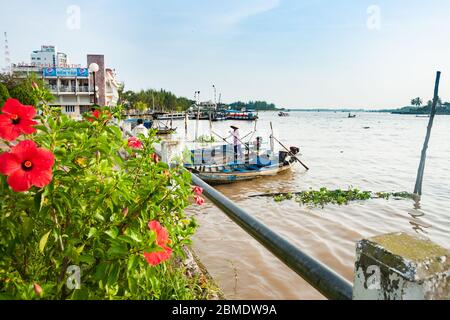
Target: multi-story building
(72,86)
(71,89)
(49,57)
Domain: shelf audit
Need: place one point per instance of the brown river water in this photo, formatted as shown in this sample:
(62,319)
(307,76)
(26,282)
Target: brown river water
(374,151)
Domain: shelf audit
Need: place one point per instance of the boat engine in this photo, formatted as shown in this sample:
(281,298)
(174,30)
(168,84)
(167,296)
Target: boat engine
(294,150)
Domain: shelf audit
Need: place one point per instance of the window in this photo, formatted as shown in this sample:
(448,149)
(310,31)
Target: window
(70,109)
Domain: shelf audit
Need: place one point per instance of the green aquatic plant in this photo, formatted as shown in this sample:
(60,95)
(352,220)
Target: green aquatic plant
(206,139)
(395,195)
(322,197)
(325,196)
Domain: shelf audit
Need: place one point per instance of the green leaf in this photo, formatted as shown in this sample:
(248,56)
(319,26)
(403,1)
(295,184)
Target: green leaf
(43,241)
(27,227)
(92,233)
(87,259)
(133,235)
(114,272)
(113,233)
(132,263)
(100,271)
(118,250)
(38,201)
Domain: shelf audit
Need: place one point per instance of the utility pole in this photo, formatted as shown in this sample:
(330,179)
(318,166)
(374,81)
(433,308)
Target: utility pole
(198,116)
(7,68)
(418,187)
(215,96)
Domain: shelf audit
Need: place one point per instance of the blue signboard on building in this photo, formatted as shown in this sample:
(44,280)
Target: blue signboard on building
(66,72)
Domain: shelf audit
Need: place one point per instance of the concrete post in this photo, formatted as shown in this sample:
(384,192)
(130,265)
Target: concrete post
(401,267)
(168,150)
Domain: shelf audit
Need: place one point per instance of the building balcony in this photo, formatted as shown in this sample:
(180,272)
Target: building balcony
(83,89)
(67,89)
(53,88)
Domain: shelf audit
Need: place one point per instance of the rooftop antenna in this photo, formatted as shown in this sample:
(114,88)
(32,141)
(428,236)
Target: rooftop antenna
(7,68)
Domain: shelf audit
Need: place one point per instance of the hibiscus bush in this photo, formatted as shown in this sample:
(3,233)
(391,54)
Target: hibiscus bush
(86,213)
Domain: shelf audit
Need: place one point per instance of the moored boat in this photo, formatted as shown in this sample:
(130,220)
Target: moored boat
(164,131)
(225,174)
(254,166)
(245,115)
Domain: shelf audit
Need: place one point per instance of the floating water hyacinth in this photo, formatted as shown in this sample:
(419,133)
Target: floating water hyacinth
(322,197)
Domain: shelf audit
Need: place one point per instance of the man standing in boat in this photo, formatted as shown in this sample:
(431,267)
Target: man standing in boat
(236,143)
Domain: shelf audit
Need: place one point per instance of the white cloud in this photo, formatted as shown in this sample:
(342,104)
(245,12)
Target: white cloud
(244,10)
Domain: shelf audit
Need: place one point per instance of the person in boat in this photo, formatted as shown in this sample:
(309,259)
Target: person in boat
(236,143)
(140,129)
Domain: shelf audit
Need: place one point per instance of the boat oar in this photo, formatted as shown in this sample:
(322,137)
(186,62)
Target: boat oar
(246,146)
(220,137)
(289,151)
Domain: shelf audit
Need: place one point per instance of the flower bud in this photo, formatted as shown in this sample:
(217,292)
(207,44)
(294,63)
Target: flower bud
(37,289)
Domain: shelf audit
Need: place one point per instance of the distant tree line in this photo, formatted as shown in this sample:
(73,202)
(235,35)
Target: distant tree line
(418,102)
(161,100)
(253,105)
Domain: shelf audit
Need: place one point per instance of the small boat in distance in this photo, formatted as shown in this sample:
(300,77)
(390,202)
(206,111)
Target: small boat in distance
(283,114)
(164,131)
(246,115)
(169,116)
(351,116)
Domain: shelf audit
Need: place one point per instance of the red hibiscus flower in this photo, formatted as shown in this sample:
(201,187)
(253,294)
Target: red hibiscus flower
(197,190)
(162,238)
(200,201)
(97,115)
(16,119)
(134,143)
(156,258)
(162,235)
(26,166)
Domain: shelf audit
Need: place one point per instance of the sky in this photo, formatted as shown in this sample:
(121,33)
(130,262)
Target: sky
(294,53)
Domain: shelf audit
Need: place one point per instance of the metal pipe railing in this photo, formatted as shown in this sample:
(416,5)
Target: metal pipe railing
(326,281)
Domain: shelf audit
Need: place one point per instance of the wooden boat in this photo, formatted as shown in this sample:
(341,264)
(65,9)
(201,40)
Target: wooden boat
(351,116)
(164,131)
(169,116)
(257,165)
(283,114)
(244,115)
(225,174)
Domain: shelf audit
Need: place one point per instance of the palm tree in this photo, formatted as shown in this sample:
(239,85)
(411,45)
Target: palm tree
(141,106)
(417,102)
